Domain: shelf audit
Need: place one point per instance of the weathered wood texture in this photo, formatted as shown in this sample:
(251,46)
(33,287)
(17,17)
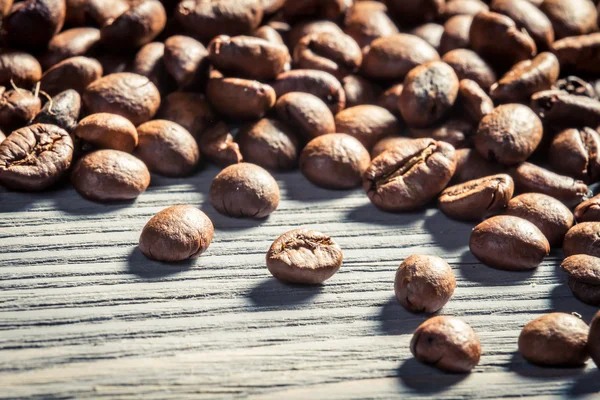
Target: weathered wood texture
(84,315)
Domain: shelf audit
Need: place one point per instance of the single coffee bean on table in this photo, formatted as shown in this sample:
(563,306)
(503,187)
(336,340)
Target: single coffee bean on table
(305,113)
(576,153)
(108,131)
(217,145)
(63,111)
(583,239)
(589,210)
(304,256)
(594,339)
(584,277)
(367,123)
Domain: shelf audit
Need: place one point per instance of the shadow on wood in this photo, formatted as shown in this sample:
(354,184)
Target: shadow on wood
(138,264)
(272,293)
(588,383)
(448,233)
(519,365)
(396,320)
(472,270)
(425,379)
(563,300)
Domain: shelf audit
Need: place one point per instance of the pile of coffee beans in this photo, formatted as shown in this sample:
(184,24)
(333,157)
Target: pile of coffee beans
(489,108)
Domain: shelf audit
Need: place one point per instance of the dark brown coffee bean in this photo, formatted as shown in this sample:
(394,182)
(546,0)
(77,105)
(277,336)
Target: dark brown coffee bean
(584,277)
(240,98)
(206,19)
(130,95)
(571,17)
(337,54)
(429,93)
(110,175)
(447,343)
(319,83)
(306,113)
(366,21)
(474,100)
(270,144)
(63,111)
(415,11)
(470,165)
(186,59)
(367,123)
(409,176)
(108,131)
(392,57)
(190,110)
(509,243)
(149,62)
(176,233)
(576,86)
(424,283)
(136,27)
(112,63)
(589,210)
(304,256)
(18,108)
(456,33)
(509,134)
(244,191)
(327,9)
(269,34)
(477,199)
(582,239)
(469,65)
(431,33)
(594,339)
(462,7)
(271,6)
(334,161)
(390,98)
(556,339)
(561,109)
(32,23)
(387,143)
(70,43)
(359,91)
(576,153)
(528,17)
(216,144)
(301,29)
(22,68)
(551,216)
(579,54)
(526,78)
(73,73)
(457,132)
(496,37)
(95,12)
(532,178)
(35,157)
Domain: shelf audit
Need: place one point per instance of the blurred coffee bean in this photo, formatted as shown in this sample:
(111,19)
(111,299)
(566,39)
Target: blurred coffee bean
(366,21)
(337,54)
(63,111)
(31,24)
(108,131)
(70,43)
(431,33)
(270,144)
(469,65)
(458,132)
(190,110)
(136,27)
(217,145)
(589,210)
(359,91)
(319,83)
(576,153)
(186,59)
(579,54)
(367,123)
(474,101)
(240,98)
(306,114)
(20,67)
(571,17)
(73,73)
(456,33)
(149,62)
(561,109)
(528,17)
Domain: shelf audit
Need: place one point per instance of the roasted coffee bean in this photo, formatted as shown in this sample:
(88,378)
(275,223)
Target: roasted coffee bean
(95,12)
(559,108)
(579,54)
(551,216)
(18,108)
(31,24)
(269,34)
(447,343)
(576,153)
(387,143)
(576,86)
(359,91)
(390,98)
(22,68)
(462,7)
(392,57)
(415,11)
(35,157)
(556,339)
(216,144)
(409,176)
(108,131)
(509,243)
(496,37)
(509,134)
(366,21)
(584,277)
(110,175)
(186,59)
(244,191)
(190,110)
(328,9)
(474,100)
(594,339)
(63,111)
(176,233)
(130,95)
(469,65)
(582,239)
(589,210)
(457,132)
(424,283)
(367,123)
(301,29)
(73,73)
(113,63)
(456,33)
(206,19)
(477,199)
(528,17)
(271,6)
(334,161)
(70,43)
(306,113)
(431,33)
(304,256)
(136,27)
(319,83)
(337,54)
(429,93)
(532,178)
(269,143)
(149,62)
(571,17)
(470,165)
(167,148)
(240,98)
(526,78)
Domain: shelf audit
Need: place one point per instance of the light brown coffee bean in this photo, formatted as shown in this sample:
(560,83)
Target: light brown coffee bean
(216,144)
(584,277)
(389,99)
(73,73)
(462,7)
(367,123)
(589,210)
(269,34)
(108,131)
(17,108)
(583,239)
(469,65)
(240,98)
(190,110)
(304,28)
(306,113)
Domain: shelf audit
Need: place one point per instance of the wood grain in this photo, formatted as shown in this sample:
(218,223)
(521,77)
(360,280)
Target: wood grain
(84,315)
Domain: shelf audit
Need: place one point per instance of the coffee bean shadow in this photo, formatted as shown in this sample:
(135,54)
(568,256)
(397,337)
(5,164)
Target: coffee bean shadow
(587,383)
(369,214)
(271,293)
(230,224)
(142,267)
(11,202)
(563,300)
(447,233)
(297,187)
(522,367)
(69,201)
(475,271)
(396,320)
(425,379)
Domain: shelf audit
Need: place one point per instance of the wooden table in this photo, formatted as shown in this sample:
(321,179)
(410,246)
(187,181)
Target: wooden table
(84,315)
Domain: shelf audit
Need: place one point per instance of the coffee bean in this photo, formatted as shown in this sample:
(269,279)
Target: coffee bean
(532,178)
(136,27)
(367,123)
(409,176)
(319,83)
(509,243)
(186,59)
(584,277)
(167,148)
(392,57)
(240,98)
(113,63)
(190,110)
(130,95)
(390,98)
(73,73)
(576,86)
(457,132)
(18,108)
(95,12)
(556,339)
(456,33)
(470,165)
(571,17)
(304,256)
(304,28)
(32,23)
(509,134)
(108,131)
(306,113)
(527,17)
(176,233)
(431,33)
(387,143)
(337,54)
(582,239)
(424,283)
(576,153)
(579,54)
(22,68)
(447,343)
(328,9)
(270,144)
(526,78)
(149,62)
(63,111)
(359,91)
(70,43)
(561,109)
(589,210)
(244,191)
(269,34)
(110,175)
(474,100)
(366,21)
(35,157)
(334,161)
(469,65)
(415,11)
(477,199)
(217,145)
(594,339)
(462,7)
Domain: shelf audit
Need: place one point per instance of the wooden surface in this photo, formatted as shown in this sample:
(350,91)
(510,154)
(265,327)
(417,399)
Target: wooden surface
(84,315)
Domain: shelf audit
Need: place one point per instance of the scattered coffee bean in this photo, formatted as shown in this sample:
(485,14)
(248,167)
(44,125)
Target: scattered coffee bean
(582,239)
(137,26)
(456,33)
(431,33)
(305,113)
(186,59)
(528,17)
(319,83)
(18,108)
(108,131)
(594,339)
(63,111)
(557,108)
(31,24)
(579,54)
(73,73)
(474,100)
(387,143)
(240,98)
(576,153)
(359,91)
(457,132)
(366,21)
(70,43)
(584,277)
(469,65)
(589,210)
(367,123)
(217,145)
(190,110)
(470,165)
(571,17)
